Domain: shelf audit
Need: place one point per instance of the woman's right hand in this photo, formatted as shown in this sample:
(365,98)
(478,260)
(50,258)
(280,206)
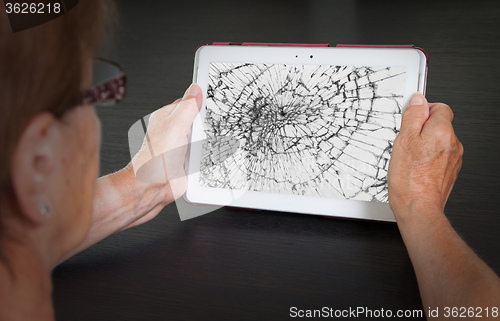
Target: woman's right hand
(426,158)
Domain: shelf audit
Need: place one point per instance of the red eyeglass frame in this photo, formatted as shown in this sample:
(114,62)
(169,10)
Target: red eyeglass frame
(113,89)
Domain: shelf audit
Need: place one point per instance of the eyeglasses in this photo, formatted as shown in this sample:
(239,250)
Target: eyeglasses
(108,85)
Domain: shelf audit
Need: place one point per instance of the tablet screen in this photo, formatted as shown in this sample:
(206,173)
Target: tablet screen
(313,130)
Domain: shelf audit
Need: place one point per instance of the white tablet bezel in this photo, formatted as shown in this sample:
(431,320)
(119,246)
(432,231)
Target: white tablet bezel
(413,60)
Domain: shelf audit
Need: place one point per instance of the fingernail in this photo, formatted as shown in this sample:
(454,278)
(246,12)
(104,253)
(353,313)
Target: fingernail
(417,99)
(191,92)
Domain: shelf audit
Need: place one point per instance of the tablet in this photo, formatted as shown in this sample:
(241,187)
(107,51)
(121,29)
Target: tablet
(300,129)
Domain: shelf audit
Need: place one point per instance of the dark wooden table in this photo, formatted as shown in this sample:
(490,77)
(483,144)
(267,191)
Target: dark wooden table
(244,265)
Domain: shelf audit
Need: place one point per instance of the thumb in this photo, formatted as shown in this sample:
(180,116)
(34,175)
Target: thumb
(416,114)
(187,109)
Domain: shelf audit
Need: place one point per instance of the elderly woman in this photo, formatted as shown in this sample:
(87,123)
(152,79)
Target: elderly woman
(50,139)
(52,204)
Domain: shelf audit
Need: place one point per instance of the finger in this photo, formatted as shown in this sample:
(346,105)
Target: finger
(439,122)
(168,109)
(441,108)
(416,114)
(187,109)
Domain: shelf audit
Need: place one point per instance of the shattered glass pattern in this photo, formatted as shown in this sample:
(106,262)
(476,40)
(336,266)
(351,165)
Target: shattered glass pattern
(316,130)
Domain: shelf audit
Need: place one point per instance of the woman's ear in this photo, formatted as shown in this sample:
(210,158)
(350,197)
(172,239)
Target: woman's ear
(33,164)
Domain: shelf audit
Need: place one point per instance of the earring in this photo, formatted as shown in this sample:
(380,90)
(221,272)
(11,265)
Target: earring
(44,208)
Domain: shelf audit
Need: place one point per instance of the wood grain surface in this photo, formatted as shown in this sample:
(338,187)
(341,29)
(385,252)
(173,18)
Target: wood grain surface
(246,265)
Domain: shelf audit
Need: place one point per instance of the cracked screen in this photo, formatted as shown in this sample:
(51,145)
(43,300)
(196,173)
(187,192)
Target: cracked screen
(315,130)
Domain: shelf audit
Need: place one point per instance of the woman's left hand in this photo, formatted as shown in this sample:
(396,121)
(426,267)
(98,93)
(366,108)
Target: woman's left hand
(162,156)
(154,178)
